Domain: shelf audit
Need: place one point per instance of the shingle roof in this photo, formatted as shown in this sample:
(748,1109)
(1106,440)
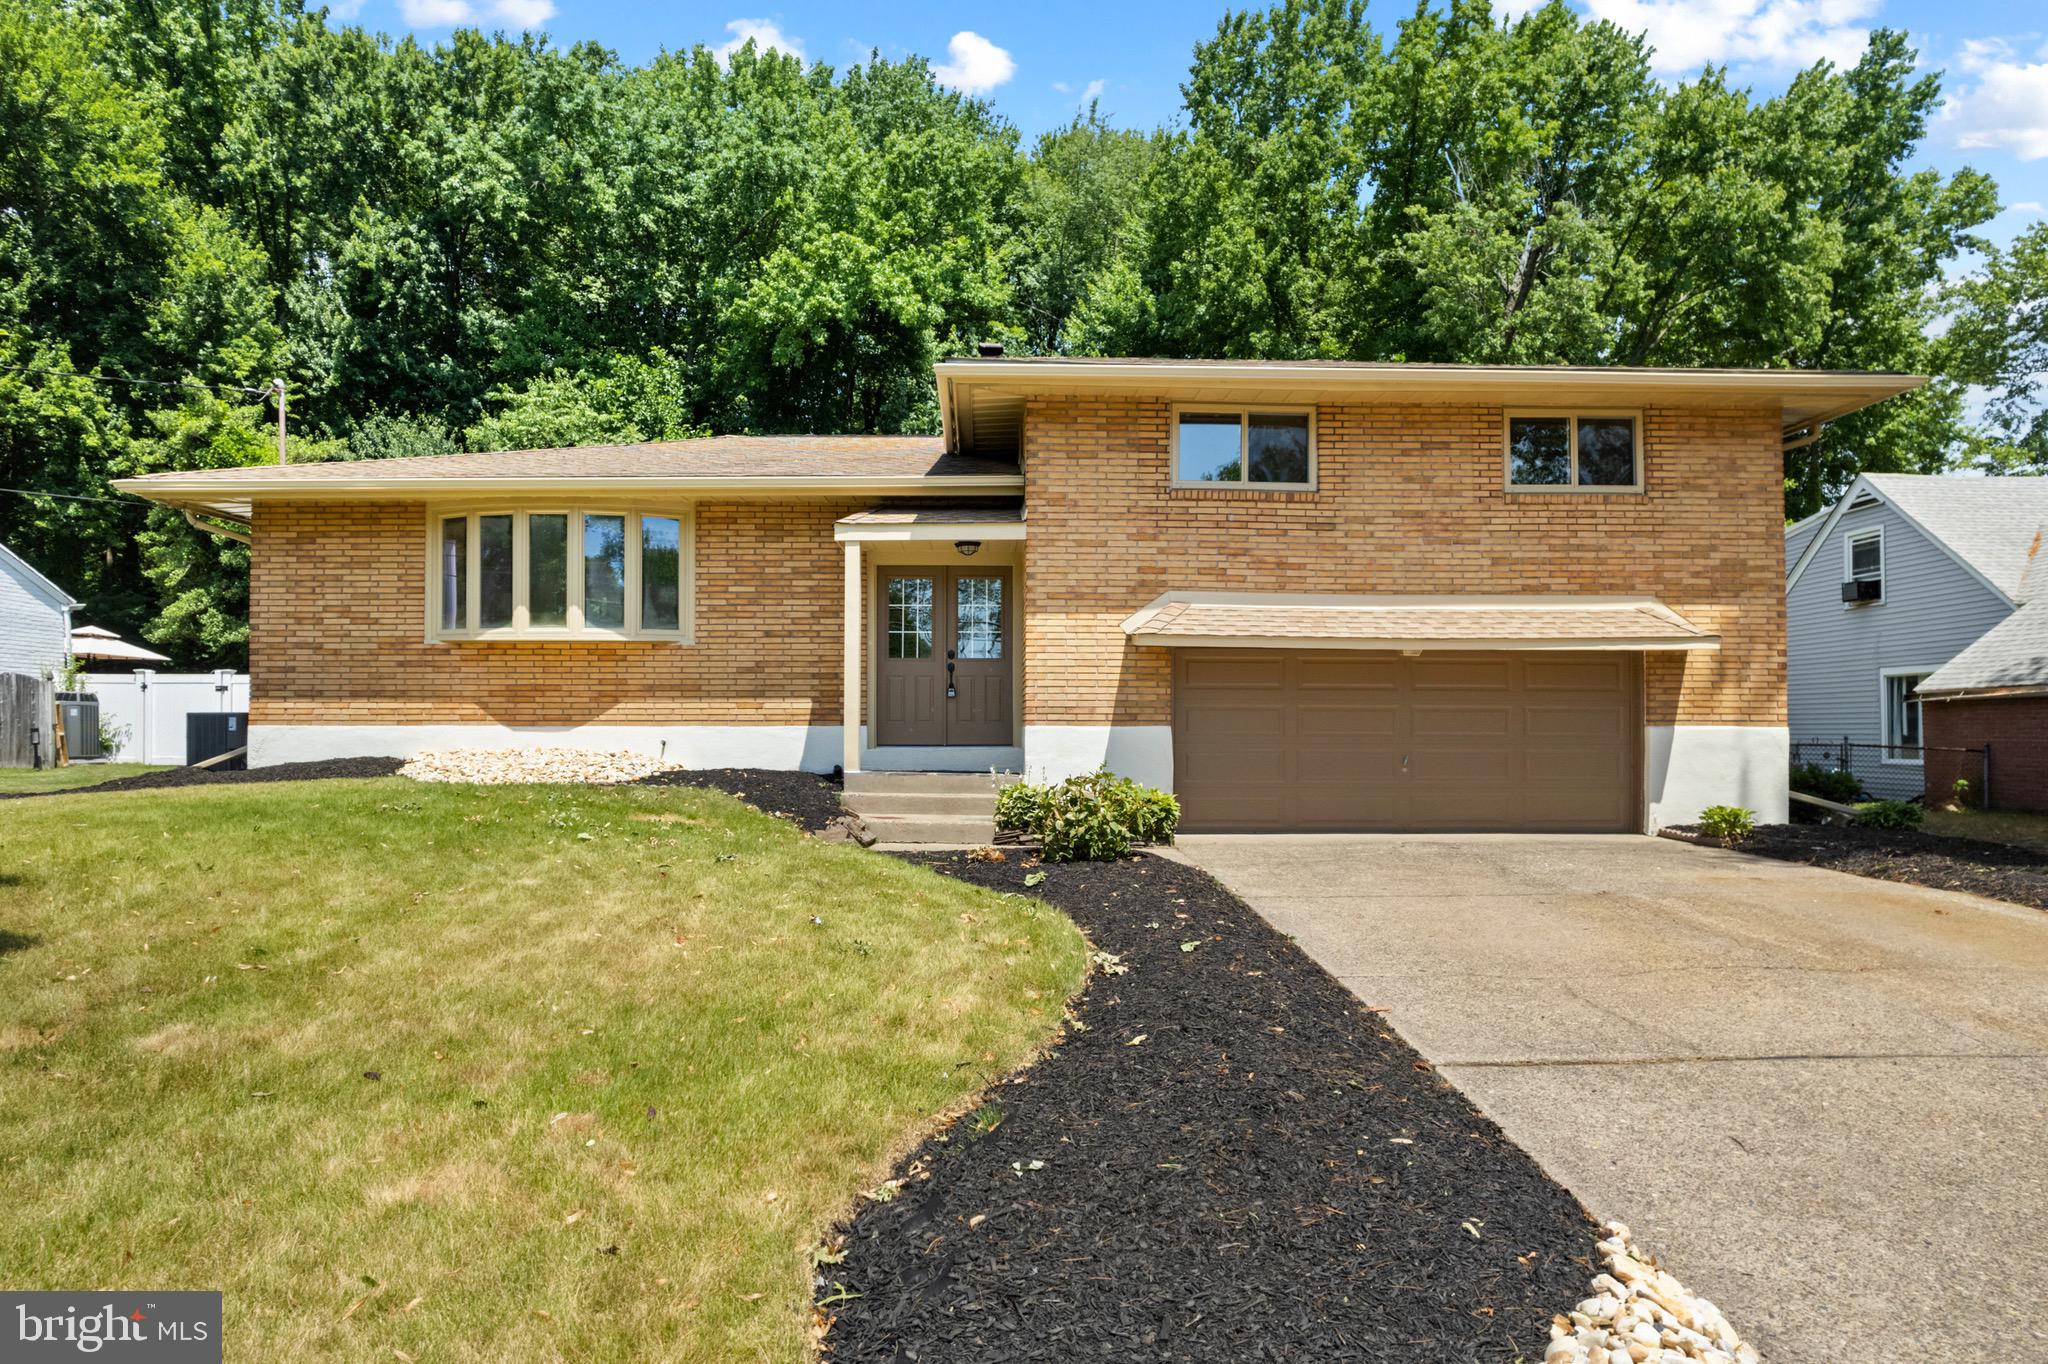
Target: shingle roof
(2011,654)
(1539,621)
(1995,525)
(710,457)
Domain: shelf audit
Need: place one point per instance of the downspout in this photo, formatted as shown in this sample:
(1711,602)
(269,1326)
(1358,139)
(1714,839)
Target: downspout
(239,535)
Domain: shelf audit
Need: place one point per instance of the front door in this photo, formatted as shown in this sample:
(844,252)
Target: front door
(942,671)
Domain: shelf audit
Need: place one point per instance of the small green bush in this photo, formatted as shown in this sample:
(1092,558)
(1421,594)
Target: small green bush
(1090,818)
(1890,814)
(1731,822)
(1829,783)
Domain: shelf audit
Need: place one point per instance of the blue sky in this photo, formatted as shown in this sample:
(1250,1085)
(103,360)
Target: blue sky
(1041,62)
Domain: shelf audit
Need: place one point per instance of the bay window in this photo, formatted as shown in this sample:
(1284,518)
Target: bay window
(560,574)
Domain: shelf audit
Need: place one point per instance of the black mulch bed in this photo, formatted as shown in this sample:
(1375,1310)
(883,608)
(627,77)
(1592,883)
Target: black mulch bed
(1270,1174)
(810,801)
(1998,871)
(206,776)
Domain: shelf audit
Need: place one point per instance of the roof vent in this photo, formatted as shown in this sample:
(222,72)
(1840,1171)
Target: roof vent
(990,350)
(1864,503)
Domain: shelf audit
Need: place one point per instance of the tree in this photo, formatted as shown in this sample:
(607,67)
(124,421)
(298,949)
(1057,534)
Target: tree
(1998,338)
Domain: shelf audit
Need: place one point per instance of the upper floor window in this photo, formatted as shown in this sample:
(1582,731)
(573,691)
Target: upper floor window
(1237,447)
(1574,452)
(1863,566)
(562,574)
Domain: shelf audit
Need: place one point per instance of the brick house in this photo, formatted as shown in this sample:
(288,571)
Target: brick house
(1304,595)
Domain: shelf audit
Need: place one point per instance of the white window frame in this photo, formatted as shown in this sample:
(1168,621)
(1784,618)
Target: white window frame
(1850,539)
(1885,677)
(576,629)
(1244,413)
(1571,487)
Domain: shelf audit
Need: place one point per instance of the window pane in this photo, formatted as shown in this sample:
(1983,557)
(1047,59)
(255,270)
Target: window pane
(1866,557)
(494,571)
(978,623)
(661,575)
(1539,450)
(1607,452)
(547,569)
(454,572)
(910,617)
(1209,450)
(1279,449)
(1903,719)
(604,571)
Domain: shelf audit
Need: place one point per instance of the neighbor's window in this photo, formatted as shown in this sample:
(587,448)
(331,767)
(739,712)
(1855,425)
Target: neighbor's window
(1244,447)
(561,575)
(1902,712)
(1561,451)
(1866,556)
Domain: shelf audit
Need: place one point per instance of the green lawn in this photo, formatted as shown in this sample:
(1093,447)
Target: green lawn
(1994,826)
(482,1074)
(65,778)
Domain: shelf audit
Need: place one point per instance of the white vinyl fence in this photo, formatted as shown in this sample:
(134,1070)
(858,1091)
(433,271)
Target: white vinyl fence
(152,707)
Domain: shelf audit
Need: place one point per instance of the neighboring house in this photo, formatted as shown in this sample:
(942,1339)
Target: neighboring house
(1302,595)
(35,619)
(35,635)
(1914,588)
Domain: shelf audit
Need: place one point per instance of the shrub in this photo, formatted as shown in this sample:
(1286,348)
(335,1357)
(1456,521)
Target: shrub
(1829,783)
(1890,814)
(1731,822)
(1091,818)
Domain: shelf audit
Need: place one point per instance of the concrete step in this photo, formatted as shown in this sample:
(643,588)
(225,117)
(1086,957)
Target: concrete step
(931,829)
(967,804)
(925,783)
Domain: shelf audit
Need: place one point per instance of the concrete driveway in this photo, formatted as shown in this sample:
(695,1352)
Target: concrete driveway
(1821,1099)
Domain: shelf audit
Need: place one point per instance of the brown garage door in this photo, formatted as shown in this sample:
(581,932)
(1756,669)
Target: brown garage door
(1272,739)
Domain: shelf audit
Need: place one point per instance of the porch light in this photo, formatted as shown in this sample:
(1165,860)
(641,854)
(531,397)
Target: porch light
(968,548)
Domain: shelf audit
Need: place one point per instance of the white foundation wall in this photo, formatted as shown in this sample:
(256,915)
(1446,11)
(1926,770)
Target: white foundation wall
(1144,753)
(1689,767)
(812,748)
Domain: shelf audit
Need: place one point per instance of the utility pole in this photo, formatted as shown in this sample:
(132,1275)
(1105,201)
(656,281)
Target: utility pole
(278,386)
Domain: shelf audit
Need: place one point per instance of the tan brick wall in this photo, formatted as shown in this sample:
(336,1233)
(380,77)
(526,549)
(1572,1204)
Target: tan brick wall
(1409,499)
(337,603)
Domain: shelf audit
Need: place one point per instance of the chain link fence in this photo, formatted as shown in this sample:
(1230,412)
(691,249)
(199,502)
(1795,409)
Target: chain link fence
(1839,770)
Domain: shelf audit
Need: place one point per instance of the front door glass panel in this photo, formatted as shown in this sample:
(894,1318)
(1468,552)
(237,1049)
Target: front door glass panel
(910,617)
(978,617)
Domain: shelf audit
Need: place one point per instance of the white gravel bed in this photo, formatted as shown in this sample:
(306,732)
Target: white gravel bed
(523,766)
(1640,1314)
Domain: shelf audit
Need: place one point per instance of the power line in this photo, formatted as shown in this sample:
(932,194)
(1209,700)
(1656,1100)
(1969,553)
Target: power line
(150,383)
(136,503)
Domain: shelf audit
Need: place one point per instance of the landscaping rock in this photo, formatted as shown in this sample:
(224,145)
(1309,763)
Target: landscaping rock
(1641,1314)
(520,766)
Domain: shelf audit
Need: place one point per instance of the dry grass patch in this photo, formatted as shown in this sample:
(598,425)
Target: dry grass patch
(478,1073)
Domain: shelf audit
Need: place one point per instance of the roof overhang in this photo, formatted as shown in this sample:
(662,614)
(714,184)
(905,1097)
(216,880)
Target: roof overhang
(981,400)
(1412,624)
(237,500)
(948,524)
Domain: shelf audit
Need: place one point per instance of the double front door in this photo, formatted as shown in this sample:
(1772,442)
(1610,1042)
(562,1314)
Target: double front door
(942,670)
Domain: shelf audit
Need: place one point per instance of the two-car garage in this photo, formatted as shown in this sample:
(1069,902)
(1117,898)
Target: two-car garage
(1274,739)
(1410,713)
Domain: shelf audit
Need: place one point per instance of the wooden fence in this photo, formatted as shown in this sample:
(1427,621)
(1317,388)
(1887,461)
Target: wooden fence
(24,710)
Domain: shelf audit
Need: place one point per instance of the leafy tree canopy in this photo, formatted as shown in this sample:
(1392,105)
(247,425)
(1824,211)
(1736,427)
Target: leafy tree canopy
(496,243)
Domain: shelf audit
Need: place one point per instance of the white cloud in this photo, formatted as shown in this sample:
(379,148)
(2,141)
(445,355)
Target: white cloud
(449,13)
(1093,92)
(344,9)
(1689,34)
(2004,106)
(1062,87)
(764,33)
(524,13)
(974,65)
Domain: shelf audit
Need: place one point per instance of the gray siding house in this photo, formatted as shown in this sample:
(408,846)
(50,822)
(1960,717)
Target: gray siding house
(35,619)
(1884,588)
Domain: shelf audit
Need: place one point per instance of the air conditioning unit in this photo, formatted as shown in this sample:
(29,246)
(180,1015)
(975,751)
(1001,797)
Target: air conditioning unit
(1863,589)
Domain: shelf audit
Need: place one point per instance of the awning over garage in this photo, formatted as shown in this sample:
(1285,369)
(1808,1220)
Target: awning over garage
(1250,620)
